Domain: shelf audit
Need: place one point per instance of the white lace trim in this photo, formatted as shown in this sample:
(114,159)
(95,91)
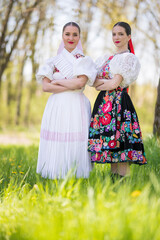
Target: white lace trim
(127,65)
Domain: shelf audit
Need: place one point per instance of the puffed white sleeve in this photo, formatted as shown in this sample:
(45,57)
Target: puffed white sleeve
(127,65)
(85,66)
(100,62)
(46,70)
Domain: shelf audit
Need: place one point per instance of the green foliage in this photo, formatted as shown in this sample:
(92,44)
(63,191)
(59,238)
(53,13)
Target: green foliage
(92,209)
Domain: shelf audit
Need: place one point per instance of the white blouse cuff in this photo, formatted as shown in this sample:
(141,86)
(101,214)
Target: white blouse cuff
(85,66)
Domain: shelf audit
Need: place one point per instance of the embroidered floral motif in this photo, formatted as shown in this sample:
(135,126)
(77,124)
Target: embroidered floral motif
(78,55)
(107,107)
(106,119)
(112,143)
(105,72)
(55,70)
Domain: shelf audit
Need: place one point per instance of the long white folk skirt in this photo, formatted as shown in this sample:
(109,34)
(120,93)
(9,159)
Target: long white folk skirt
(64,136)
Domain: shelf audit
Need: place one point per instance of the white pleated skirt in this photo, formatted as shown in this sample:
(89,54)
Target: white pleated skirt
(64,136)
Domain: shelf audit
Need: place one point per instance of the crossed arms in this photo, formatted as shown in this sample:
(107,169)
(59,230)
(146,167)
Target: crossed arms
(62,85)
(104,84)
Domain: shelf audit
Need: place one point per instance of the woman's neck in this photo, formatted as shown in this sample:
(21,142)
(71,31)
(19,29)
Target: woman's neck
(70,50)
(122,50)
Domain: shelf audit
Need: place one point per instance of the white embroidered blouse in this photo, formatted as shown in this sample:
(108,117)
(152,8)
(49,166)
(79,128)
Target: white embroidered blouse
(125,64)
(68,67)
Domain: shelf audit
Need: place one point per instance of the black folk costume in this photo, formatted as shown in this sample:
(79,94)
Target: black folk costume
(115,134)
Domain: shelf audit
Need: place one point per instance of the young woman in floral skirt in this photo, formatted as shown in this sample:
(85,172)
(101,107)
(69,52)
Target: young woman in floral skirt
(115,136)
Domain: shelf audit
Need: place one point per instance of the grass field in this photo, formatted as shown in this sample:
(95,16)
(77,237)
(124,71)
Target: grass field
(86,209)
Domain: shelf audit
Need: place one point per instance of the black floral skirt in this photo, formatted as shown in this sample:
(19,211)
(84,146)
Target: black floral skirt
(115,134)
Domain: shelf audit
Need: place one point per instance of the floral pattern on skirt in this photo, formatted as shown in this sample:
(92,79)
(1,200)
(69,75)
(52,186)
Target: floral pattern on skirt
(115,134)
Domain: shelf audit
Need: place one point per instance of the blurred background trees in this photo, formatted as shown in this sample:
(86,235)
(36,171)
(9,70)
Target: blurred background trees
(31,32)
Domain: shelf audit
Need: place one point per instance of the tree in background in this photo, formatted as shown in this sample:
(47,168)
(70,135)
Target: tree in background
(20,22)
(25,26)
(14,16)
(151,32)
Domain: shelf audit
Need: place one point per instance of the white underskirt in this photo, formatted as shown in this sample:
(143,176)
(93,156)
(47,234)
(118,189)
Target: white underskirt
(64,136)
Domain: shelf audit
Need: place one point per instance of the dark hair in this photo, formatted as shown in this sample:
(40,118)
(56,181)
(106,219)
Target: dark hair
(72,24)
(127,28)
(125,25)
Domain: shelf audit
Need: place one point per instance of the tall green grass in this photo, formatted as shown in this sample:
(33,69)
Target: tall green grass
(83,209)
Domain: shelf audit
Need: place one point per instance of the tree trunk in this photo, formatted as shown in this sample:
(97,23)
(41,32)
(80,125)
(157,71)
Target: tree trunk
(20,88)
(31,91)
(156,125)
(33,84)
(9,97)
(5,57)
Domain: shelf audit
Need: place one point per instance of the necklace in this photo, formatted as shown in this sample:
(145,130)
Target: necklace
(122,52)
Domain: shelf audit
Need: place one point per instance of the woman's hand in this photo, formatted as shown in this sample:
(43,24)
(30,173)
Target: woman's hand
(53,82)
(107,85)
(98,82)
(72,84)
(51,86)
(102,87)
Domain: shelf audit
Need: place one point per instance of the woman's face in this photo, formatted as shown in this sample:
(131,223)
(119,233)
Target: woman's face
(120,37)
(71,37)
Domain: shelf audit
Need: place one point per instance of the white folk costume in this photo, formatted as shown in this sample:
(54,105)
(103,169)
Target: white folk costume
(66,118)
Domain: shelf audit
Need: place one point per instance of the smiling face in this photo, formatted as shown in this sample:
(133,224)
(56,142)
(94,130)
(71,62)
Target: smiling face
(71,37)
(120,38)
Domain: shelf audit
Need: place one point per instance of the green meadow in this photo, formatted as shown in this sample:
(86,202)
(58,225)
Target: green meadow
(96,208)
(81,209)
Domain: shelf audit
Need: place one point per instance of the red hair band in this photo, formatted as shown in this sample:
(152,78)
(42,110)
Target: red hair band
(132,51)
(131,46)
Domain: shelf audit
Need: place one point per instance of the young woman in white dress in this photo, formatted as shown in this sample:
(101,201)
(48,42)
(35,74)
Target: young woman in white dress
(66,118)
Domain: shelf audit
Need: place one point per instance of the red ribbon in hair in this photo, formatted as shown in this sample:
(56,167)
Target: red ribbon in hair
(131,46)
(132,51)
